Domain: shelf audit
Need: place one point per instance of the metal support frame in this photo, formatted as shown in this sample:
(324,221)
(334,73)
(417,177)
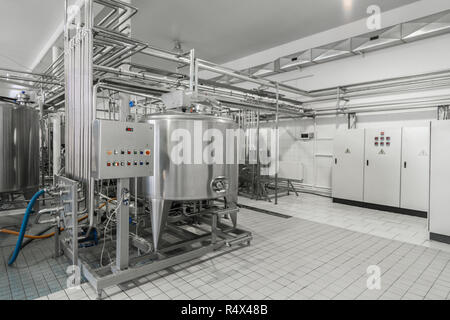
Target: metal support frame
(123,211)
(192,245)
(69,201)
(351,121)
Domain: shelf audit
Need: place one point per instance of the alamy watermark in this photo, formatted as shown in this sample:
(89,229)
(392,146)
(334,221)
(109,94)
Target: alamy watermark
(74,277)
(373,22)
(374,280)
(210,146)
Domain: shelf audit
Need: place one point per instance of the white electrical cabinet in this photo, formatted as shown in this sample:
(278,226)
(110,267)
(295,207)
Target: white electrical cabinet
(382,167)
(348,165)
(415,168)
(439,209)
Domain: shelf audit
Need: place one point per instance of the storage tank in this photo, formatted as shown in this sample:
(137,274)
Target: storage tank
(19,145)
(192,161)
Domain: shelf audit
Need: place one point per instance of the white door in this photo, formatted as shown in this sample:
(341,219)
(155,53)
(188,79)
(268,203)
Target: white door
(439,214)
(415,168)
(382,167)
(348,165)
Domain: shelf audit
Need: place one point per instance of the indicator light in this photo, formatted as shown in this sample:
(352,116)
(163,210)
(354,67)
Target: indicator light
(108,164)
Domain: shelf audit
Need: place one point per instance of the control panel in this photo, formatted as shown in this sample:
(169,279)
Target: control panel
(122,149)
(382,140)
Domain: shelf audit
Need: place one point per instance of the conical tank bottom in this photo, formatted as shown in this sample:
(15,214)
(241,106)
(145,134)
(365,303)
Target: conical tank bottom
(160,211)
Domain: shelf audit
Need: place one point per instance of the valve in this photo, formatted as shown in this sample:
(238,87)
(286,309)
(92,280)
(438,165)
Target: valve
(220,185)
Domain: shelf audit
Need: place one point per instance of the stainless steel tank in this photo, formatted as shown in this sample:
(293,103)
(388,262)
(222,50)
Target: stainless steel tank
(19,145)
(198,179)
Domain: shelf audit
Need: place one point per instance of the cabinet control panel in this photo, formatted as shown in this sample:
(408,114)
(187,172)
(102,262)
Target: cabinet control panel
(122,149)
(382,140)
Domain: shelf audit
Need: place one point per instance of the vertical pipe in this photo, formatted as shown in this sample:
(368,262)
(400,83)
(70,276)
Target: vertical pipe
(192,70)
(56,144)
(42,135)
(123,186)
(277,143)
(258,160)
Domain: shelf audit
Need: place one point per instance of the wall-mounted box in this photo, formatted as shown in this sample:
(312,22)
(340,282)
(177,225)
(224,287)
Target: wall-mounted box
(122,149)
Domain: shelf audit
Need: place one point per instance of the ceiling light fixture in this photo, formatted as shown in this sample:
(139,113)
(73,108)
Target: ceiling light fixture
(348,4)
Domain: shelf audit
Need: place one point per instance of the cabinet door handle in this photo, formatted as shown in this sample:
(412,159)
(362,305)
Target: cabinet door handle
(404,164)
(335,160)
(367,161)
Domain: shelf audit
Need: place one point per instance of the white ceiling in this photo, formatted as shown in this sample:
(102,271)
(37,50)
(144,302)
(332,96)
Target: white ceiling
(224,30)
(220,30)
(25,27)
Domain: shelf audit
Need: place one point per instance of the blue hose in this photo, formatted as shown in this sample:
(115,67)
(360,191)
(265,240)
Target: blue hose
(24,226)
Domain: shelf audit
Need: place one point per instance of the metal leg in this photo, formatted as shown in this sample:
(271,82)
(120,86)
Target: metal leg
(123,226)
(99,294)
(214,229)
(58,251)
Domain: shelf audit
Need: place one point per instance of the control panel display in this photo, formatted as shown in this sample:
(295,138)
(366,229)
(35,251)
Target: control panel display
(122,149)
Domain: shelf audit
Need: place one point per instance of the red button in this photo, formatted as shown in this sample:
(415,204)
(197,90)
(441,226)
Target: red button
(109,164)
(147,152)
(129,152)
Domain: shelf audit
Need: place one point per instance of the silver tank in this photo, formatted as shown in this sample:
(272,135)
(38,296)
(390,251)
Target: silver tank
(180,182)
(19,145)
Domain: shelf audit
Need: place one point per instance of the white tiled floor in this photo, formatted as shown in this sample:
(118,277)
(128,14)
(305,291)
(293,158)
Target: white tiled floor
(378,223)
(313,255)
